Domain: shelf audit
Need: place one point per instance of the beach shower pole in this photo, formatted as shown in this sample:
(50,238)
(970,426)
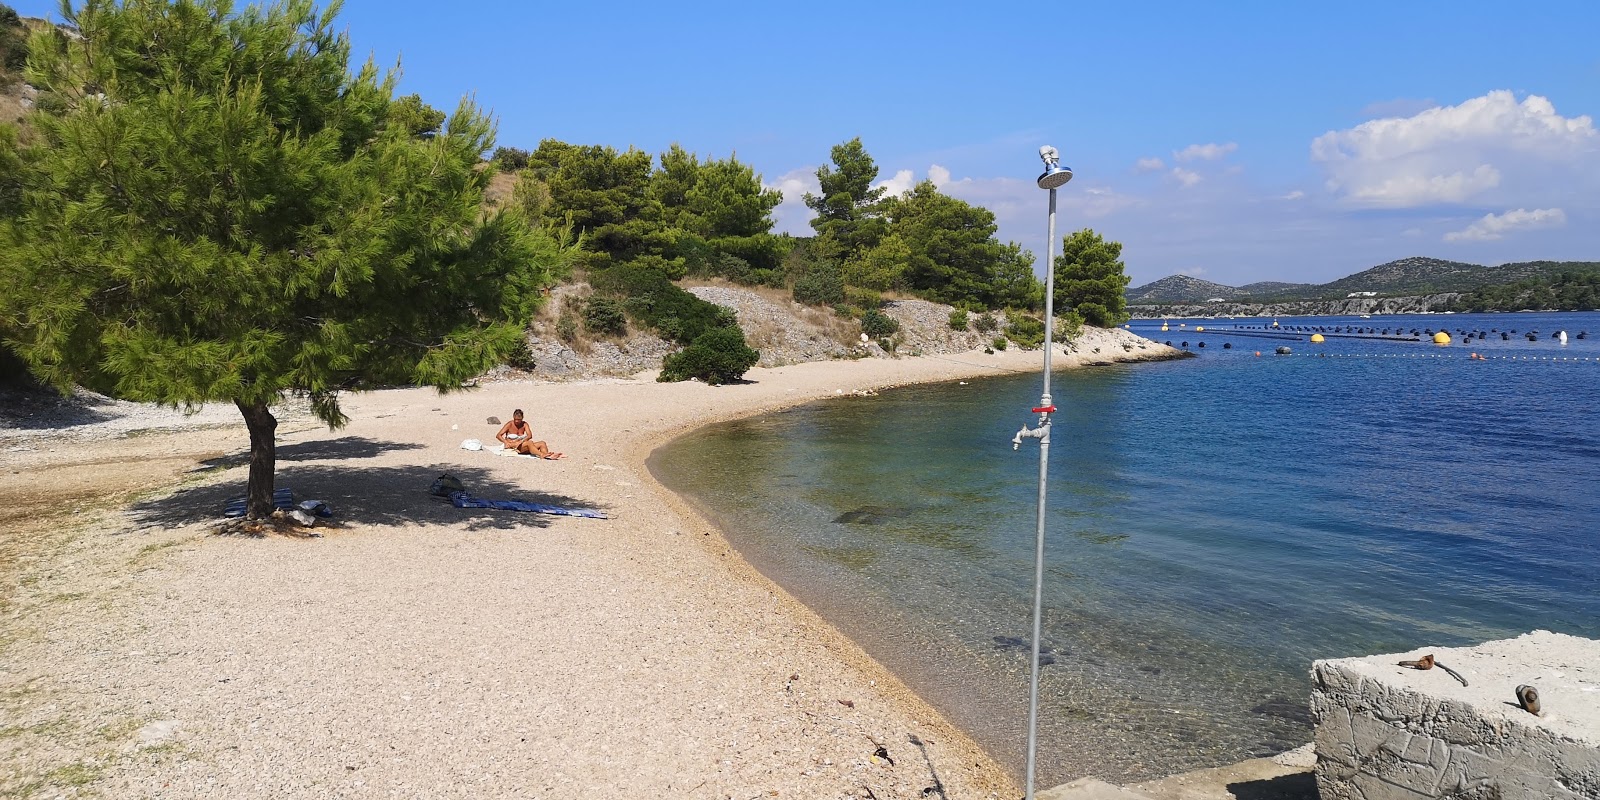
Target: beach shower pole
(1054,176)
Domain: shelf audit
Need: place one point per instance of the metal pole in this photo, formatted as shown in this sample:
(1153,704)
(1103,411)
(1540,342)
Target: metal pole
(1044,468)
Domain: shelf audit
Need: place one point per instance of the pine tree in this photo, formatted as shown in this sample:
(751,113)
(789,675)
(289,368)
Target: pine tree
(1090,279)
(210,207)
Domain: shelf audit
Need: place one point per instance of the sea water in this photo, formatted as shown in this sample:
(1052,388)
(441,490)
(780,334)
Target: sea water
(1213,525)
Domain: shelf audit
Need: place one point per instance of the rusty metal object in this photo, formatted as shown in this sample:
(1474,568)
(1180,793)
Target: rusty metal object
(1428,662)
(1528,698)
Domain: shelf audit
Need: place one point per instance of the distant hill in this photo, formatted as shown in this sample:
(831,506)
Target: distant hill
(1406,277)
(1273,287)
(1180,289)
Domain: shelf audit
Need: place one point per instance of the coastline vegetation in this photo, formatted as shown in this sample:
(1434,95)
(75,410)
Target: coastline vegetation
(274,224)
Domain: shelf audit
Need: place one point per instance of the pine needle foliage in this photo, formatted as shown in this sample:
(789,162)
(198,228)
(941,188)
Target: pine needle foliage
(210,206)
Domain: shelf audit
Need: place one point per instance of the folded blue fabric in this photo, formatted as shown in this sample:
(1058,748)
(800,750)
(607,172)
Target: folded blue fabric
(282,499)
(464,500)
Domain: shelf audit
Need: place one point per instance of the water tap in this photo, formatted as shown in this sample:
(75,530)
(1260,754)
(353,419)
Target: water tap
(1034,433)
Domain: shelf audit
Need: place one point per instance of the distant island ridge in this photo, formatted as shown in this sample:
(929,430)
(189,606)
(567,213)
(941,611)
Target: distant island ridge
(1407,286)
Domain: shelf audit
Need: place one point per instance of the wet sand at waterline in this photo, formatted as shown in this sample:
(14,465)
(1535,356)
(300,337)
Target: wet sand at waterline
(419,650)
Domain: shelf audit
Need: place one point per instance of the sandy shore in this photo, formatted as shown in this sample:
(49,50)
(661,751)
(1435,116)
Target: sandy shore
(419,650)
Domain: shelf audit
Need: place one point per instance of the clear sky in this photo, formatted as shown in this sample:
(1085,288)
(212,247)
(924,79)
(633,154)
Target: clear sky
(1234,141)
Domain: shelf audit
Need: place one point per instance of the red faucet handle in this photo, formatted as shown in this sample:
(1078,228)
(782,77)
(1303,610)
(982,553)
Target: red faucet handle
(1045,410)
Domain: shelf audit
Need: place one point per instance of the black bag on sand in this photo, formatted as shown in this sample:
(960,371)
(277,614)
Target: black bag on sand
(445,485)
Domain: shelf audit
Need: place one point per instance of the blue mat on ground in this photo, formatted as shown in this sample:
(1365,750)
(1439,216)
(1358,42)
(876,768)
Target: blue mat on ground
(282,499)
(464,500)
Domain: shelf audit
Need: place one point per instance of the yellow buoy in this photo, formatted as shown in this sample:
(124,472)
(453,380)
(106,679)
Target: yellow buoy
(1164,325)
(1441,338)
(1316,338)
(1199,328)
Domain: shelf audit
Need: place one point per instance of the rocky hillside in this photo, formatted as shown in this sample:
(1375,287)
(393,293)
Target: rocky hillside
(1354,306)
(1404,281)
(784,331)
(1180,289)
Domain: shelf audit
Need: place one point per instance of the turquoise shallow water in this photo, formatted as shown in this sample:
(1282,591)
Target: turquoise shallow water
(1214,525)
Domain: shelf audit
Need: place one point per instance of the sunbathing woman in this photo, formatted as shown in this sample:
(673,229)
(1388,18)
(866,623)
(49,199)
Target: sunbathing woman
(516,435)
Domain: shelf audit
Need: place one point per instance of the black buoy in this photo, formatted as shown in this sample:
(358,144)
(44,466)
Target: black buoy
(1282,351)
(1169,342)
(1533,337)
(1229,345)
(1202,344)
(1583,334)
(1505,337)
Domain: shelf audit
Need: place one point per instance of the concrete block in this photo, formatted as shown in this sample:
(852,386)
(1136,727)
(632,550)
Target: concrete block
(1386,732)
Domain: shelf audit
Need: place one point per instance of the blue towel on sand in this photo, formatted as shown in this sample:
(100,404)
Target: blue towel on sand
(282,499)
(464,500)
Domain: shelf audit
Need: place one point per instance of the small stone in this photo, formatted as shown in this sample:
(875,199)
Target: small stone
(157,732)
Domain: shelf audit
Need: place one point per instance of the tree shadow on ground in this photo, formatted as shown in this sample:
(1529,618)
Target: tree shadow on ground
(375,496)
(32,407)
(341,448)
(1295,786)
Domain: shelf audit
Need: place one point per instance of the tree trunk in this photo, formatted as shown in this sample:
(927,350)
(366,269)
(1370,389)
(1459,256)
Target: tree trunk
(263,458)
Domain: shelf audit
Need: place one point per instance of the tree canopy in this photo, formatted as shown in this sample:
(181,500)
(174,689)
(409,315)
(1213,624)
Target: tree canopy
(1090,279)
(211,207)
(954,257)
(847,221)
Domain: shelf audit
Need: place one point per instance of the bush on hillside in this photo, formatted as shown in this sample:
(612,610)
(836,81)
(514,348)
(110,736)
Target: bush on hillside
(651,299)
(877,324)
(603,316)
(1069,326)
(958,319)
(1026,331)
(716,357)
(510,159)
(985,323)
(821,285)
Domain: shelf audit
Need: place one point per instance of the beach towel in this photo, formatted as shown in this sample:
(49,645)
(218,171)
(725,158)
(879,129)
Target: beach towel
(508,453)
(282,499)
(465,500)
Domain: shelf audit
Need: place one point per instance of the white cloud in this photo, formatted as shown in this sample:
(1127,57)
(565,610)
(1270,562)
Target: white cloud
(1186,177)
(1496,226)
(1193,272)
(1151,164)
(939,175)
(1406,190)
(1204,152)
(902,182)
(1294,195)
(792,215)
(1487,148)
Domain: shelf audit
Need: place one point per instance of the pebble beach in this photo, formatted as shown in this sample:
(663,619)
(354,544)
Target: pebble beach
(414,649)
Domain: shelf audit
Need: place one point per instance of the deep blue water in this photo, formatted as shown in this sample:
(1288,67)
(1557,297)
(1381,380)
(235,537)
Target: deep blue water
(1215,524)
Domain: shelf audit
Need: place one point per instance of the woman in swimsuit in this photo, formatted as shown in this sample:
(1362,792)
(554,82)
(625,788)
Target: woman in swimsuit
(516,435)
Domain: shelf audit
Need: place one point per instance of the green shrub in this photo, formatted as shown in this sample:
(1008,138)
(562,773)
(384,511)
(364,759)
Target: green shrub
(651,299)
(1026,331)
(1069,326)
(510,159)
(567,326)
(999,343)
(820,286)
(877,324)
(521,358)
(716,357)
(604,316)
(986,323)
(865,299)
(958,319)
